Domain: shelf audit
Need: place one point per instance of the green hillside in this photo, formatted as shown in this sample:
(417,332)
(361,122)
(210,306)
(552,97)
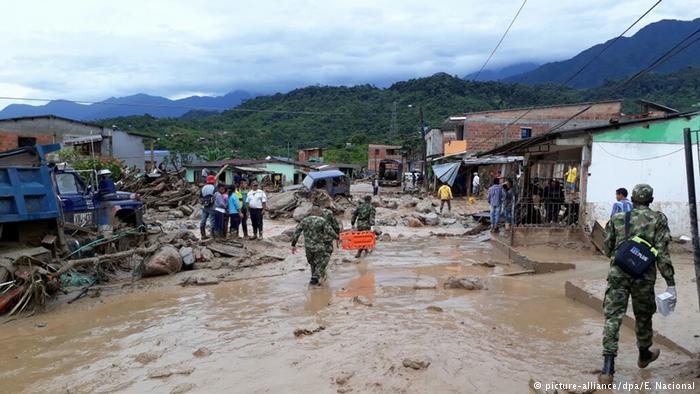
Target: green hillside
(333,116)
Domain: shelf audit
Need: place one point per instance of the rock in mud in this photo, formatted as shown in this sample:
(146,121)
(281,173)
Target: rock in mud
(302,211)
(425,284)
(391,204)
(281,201)
(343,378)
(430,219)
(145,358)
(170,370)
(177,214)
(413,222)
(287,235)
(207,255)
(466,283)
(165,261)
(391,222)
(386,237)
(302,332)
(202,352)
(425,206)
(449,221)
(183,388)
(434,308)
(361,300)
(415,364)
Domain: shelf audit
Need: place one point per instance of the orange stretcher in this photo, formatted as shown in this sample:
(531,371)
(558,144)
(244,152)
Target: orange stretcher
(353,240)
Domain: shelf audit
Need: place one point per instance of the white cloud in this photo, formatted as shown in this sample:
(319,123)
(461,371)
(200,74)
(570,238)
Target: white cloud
(92,50)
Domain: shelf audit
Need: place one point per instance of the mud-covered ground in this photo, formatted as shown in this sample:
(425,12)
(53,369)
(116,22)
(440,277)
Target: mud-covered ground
(362,327)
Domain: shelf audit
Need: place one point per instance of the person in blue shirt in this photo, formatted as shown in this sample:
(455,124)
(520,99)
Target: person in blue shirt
(106,184)
(234,210)
(622,204)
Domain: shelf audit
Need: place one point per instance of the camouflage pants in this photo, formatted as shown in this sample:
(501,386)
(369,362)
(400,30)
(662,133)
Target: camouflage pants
(318,260)
(615,307)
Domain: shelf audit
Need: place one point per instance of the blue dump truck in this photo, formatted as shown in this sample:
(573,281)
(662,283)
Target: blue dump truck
(38,198)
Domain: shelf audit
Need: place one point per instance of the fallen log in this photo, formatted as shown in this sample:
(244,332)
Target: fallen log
(107,257)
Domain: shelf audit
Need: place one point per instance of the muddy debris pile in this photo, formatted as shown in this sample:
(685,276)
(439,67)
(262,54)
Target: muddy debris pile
(464,283)
(25,284)
(297,204)
(302,332)
(168,191)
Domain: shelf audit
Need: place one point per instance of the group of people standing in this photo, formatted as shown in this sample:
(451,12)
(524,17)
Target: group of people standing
(226,208)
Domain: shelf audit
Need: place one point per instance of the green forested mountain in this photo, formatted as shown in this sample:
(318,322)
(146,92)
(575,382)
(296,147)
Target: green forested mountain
(333,116)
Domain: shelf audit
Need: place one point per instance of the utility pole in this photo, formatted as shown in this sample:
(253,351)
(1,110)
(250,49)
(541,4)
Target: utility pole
(690,174)
(424,147)
(393,128)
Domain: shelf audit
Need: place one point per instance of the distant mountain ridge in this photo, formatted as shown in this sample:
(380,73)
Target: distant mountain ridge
(138,104)
(499,74)
(623,59)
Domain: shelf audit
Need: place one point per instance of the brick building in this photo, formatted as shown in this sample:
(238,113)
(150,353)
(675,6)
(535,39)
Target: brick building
(87,138)
(482,130)
(377,153)
(310,154)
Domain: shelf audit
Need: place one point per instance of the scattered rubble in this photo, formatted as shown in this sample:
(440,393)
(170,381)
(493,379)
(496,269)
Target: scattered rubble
(183,388)
(466,283)
(202,352)
(344,378)
(425,284)
(361,300)
(301,332)
(170,370)
(415,364)
(425,206)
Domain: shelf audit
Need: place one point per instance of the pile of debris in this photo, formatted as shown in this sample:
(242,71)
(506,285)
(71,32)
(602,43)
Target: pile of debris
(169,190)
(298,203)
(25,284)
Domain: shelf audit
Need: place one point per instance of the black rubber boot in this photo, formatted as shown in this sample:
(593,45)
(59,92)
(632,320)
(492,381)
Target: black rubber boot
(313,281)
(608,371)
(647,356)
(202,233)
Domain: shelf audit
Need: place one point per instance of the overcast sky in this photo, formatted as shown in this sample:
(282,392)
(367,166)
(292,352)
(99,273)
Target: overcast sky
(95,49)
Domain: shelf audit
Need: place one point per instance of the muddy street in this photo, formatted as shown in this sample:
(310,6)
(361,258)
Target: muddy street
(239,336)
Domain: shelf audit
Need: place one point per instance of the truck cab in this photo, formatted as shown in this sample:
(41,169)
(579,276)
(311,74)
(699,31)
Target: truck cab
(84,204)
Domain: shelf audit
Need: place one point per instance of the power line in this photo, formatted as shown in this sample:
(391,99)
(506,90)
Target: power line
(579,71)
(173,106)
(500,41)
(640,159)
(610,43)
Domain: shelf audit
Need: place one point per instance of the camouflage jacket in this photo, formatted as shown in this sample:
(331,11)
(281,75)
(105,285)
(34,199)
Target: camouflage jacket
(651,226)
(363,216)
(316,231)
(332,221)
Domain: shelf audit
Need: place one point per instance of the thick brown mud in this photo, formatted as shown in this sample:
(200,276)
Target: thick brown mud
(491,340)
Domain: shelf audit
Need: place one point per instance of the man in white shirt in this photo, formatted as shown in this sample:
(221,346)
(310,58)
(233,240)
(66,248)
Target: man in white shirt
(256,201)
(476,185)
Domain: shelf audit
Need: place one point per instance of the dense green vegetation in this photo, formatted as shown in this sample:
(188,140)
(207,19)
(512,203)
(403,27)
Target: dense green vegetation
(333,116)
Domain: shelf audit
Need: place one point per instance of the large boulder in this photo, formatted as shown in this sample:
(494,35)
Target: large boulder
(413,222)
(285,201)
(425,206)
(430,219)
(165,261)
(302,211)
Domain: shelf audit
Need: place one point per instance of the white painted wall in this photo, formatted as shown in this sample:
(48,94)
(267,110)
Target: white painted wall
(665,174)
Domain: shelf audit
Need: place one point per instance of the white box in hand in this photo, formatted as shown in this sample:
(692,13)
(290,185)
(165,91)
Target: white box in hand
(663,303)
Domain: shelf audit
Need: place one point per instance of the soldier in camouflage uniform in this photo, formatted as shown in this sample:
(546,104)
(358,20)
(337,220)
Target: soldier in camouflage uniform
(316,231)
(652,226)
(327,214)
(364,217)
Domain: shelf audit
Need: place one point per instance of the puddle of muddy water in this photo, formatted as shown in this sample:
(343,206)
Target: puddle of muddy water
(483,341)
